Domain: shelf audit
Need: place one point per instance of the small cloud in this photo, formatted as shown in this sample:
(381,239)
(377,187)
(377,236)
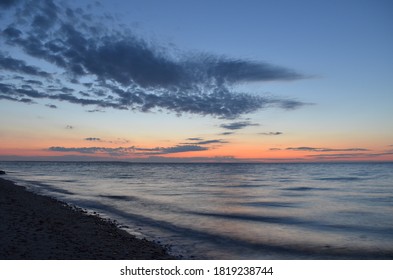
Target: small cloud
(19,66)
(96,111)
(51,106)
(274,149)
(238,125)
(214,141)
(182,149)
(69,127)
(227,133)
(92,139)
(34,82)
(201,141)
(271,133)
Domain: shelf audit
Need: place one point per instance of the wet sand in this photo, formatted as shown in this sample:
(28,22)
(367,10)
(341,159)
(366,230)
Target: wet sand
(36,227)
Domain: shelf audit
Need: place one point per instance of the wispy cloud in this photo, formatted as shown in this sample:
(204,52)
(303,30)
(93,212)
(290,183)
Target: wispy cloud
(238,125)
(337,156)
(312,149)
(117,141)
(126,71)
(227,133)
(182,149)
(201,141)
(69,127)
(270,133)
(92,139)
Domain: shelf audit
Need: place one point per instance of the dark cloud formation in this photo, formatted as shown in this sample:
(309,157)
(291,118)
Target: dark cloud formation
(19,66)
(69,127)
(271,133)
(8,3)
(238,125)
(125,71)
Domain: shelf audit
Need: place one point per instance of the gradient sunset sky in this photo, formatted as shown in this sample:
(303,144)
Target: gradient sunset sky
(206,80)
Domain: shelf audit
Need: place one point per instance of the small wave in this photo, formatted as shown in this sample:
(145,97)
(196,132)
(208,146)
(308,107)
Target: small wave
(301,223)
(269,204)
(253,218)
(285,180)
(119,197)
(243,186)
(300,189)
(125,176)
(60,191)
(69,181)
(340,179)
(50,188)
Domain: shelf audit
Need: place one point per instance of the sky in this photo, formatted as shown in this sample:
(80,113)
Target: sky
(196,81)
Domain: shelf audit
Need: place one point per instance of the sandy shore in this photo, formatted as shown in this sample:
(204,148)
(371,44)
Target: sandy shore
(36,227)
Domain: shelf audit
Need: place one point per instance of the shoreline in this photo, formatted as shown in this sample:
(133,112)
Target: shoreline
(38,227)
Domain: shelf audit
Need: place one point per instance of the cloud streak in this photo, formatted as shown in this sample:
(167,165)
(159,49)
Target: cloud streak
(201,141)
(195,144)
(238,125)
(270,133)
(312,149)
(338,156)
(129,151)
(125,71)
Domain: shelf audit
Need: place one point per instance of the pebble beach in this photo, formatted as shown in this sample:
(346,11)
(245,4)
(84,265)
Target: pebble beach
(36,227)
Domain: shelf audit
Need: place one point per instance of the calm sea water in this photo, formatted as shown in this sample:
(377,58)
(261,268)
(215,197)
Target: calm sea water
(233,211)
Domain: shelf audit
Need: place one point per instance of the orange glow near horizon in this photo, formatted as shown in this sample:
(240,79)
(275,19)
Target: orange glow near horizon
(267,149)
(210,155)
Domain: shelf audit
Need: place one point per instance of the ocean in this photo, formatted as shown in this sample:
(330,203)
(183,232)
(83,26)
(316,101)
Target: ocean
(232,211)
